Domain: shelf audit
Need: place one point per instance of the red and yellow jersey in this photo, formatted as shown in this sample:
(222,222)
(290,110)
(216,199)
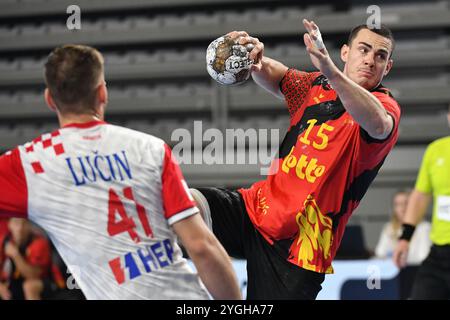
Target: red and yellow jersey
(325,165)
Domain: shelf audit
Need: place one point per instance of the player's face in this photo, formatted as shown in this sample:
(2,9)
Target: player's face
(20,229)
(367,58)
(400,204)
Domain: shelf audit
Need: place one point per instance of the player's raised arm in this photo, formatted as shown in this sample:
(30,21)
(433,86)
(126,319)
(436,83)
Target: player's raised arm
(367,62)
(210,258)
(269,75)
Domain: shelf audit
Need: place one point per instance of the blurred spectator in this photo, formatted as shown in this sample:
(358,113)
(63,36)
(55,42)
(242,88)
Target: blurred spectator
(420,242)
(25,259)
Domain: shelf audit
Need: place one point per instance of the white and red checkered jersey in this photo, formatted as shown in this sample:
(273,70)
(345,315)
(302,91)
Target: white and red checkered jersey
(107,197)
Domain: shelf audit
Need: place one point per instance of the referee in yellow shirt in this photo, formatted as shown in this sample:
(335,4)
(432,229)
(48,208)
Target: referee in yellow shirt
(433,182)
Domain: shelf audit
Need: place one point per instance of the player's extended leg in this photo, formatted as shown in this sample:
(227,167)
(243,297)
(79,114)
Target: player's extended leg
(270,275)
(223,212)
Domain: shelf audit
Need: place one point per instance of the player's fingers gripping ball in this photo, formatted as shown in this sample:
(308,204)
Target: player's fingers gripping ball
(227,61)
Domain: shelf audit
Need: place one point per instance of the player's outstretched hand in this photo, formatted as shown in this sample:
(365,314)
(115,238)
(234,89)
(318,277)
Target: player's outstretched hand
(317,50)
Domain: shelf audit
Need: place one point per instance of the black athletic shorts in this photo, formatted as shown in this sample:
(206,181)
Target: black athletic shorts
(269,274)
(433,277)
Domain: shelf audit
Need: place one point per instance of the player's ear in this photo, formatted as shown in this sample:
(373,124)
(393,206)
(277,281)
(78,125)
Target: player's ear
(344,52)
(102,93)
(389,66)
(49,100)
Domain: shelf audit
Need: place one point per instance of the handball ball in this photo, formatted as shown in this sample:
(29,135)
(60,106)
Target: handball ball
(227,61)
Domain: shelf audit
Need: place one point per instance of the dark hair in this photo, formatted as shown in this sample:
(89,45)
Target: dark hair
(72,73)
(382,31)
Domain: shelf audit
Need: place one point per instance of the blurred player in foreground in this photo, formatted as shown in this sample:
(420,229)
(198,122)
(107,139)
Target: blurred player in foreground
(343,125)
(112,200)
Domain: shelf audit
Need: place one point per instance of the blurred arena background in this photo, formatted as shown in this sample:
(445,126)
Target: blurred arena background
(155,69)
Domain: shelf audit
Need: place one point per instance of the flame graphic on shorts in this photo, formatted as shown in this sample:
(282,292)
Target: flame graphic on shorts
(315,237)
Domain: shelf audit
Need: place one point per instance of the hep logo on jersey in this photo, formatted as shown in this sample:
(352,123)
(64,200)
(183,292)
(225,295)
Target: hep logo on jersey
(153,257)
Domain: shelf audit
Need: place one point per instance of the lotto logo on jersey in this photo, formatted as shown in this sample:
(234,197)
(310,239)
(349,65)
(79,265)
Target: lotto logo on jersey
(150,258)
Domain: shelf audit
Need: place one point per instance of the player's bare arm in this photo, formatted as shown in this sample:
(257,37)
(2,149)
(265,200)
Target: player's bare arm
(210,258)
(269,76)
(364,107)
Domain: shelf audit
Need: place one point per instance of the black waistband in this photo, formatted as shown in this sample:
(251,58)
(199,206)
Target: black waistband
(441,250)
